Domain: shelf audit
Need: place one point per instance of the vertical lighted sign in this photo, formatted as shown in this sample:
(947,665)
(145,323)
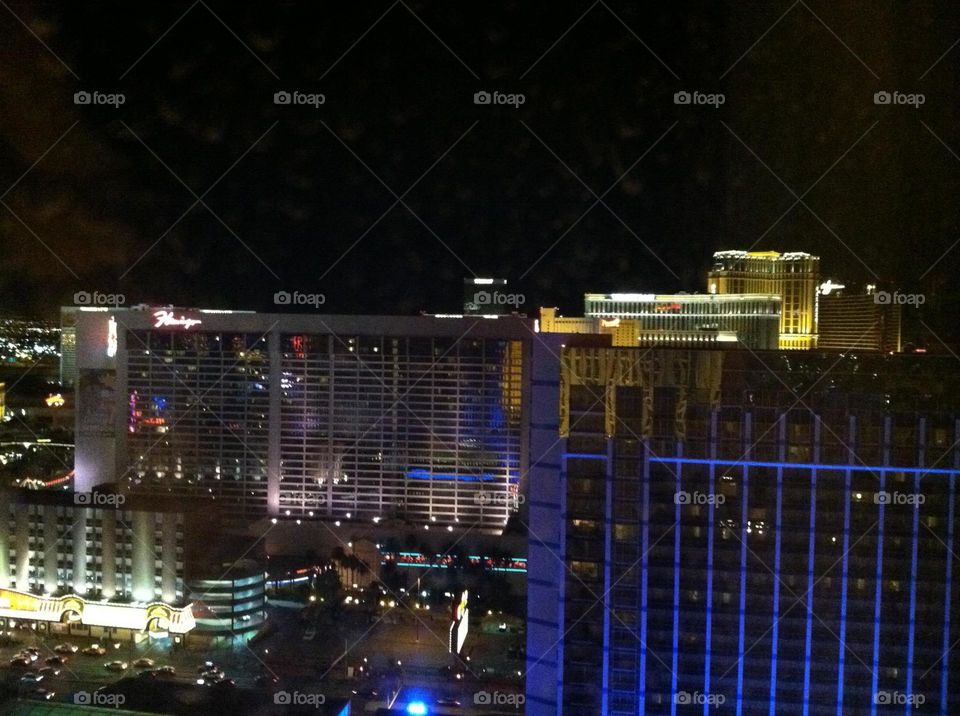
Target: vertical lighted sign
(111,337)
(460,624)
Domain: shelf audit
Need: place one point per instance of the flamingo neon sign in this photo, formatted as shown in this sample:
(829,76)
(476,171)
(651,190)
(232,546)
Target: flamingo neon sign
(166,319)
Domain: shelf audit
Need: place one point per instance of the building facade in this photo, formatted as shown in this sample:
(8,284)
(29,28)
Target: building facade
(91,560)
(306,416)
(858,322)
(87,544)
(678,320)
(794,276)
(231,601)
(769,534)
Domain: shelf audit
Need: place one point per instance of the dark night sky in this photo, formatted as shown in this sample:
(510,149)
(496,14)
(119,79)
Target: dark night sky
(800,101)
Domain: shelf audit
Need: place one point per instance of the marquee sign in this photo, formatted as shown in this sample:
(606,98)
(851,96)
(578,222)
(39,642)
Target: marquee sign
(155,616)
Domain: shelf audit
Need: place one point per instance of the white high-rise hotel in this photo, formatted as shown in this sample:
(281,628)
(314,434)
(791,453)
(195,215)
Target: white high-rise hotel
(417,418)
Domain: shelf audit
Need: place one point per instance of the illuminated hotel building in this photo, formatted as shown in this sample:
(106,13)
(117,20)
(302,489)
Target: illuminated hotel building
(700,537)
(793,276)
(51,544)
(675,320)
(55,553)
(306,416)
(857,322)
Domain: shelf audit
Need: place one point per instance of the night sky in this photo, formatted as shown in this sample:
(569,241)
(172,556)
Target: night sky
(299,198)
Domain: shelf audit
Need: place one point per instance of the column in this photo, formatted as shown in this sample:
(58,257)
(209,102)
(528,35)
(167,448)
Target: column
(22,542)
(108,550)
(78,538)
(168,556)
(273,445)
(143,559)
(4,544)
(50,549)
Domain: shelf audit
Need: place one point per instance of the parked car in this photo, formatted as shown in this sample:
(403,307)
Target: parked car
(166,669)
(18,662)
(115,666)
(144,663)
(31,677)
(211,677)
(66,648)
(49,671)
(55,660)
(94,650)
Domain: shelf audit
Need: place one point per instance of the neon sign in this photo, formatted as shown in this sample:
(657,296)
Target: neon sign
(166,319)
(111,337)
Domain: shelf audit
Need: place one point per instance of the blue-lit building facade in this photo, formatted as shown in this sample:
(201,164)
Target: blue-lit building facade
(720,532)
(368,418)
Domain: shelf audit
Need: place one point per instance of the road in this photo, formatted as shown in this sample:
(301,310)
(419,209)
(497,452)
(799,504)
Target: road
(351,652)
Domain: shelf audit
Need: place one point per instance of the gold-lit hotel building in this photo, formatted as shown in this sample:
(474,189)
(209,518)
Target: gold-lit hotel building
(794,276)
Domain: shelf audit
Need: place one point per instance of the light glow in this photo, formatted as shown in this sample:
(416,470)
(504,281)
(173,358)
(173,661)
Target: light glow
(111,337)
(166,319)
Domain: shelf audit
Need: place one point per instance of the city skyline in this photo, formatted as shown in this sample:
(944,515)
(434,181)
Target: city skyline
(411,358)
